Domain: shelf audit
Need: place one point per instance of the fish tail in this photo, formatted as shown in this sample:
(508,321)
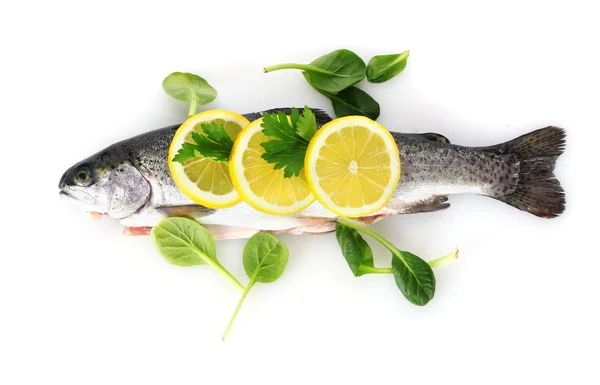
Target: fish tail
(537,190)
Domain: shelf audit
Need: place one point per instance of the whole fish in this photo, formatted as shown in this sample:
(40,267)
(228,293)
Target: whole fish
(130,181)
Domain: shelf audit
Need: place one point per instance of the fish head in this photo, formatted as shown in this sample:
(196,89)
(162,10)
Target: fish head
(99,184)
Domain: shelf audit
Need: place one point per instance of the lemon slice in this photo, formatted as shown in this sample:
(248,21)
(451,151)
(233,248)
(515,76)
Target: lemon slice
(352,166)
(255,180)
(204,180)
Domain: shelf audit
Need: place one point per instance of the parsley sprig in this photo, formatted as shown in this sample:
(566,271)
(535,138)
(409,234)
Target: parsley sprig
(216,144)
(288,139)
(285,148)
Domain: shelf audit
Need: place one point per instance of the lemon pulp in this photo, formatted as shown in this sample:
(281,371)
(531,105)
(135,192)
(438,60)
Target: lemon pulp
(204,180)
(261,186)
(353,166)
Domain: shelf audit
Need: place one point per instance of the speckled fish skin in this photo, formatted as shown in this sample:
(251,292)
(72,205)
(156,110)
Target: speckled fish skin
(130,181)
(518,172)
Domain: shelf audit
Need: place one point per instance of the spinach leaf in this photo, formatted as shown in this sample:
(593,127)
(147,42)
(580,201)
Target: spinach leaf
(354,101)
(264,258)
(184,242)
(188,87)
(414,277)
(351,101)
(333,72)
(384,67)
(355,249)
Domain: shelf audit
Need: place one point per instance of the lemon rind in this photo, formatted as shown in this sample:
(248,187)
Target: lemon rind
(189,188)
(312,178)
(236,172)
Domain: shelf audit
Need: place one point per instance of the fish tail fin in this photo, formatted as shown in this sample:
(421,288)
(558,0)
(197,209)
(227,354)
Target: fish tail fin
(538,191)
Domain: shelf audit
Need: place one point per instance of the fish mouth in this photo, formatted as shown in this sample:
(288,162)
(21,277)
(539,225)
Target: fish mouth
(66,195)
(82,199)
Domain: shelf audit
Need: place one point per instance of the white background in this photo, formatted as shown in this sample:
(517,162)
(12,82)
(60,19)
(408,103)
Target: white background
(82,304)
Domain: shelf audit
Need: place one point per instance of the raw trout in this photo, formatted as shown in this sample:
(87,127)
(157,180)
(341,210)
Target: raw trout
(130,181)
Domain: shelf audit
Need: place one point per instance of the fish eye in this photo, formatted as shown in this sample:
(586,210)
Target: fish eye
(82,177)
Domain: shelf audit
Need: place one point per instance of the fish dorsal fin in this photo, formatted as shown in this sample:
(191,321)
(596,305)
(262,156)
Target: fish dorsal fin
(433,137)
(323,117)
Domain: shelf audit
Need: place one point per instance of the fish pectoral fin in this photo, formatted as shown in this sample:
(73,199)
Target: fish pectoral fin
(137,230)
(192,211)
(371,219)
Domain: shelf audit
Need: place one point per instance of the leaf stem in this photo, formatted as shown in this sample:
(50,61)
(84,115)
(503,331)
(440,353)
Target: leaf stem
(375,270)
(193,104)
(221,270)
(362,228)
(373,234)
(238,307)
(453,256)
(303,67)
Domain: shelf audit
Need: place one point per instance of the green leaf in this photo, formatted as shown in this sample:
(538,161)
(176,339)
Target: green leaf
(285,148)
(216,144)
(351,101)
(187,151)
(279,126)
(188,87)
(295,116)
(184,242)
(332,72)
(265,258)
(306,125)
(354,101)
(184,86)
(355,249)
(414,277)
(384,67)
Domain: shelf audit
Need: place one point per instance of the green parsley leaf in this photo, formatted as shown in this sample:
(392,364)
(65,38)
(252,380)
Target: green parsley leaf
(187,151)
(306,127)
(295,116)
(286,147)
(216,144)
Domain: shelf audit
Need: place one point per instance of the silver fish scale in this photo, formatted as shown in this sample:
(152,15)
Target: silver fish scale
(429,169)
